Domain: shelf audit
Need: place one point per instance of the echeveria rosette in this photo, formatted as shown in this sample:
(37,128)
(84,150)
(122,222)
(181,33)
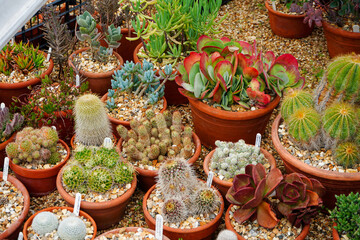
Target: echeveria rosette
(249,192)
(299,197)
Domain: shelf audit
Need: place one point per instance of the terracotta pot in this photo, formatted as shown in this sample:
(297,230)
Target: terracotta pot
(13,231)
(9,90)
(302,235)
(50,209)
(147,178)
(2,149)
(115,122)
(39,182)
(172,94)
(335,233)
(106,213)
(224,186)
(99,83)
(129,229)
(204,232)
(340,42)
(73,139)
(335,183)
(287,25)
(213,124)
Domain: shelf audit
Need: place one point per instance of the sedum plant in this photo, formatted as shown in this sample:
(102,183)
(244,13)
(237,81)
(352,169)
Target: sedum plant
(227,72)
(7,125)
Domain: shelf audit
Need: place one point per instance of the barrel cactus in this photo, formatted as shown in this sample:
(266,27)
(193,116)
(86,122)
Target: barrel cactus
(45,222)
(72,228)
(347,154)
(73,176)
(294,100)
(174,210)
(205,200)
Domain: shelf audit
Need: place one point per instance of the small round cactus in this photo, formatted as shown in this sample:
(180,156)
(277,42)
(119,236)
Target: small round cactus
(45,222)
(226,235)
(72,228)
(73,176)
(100,180)
(304,124)
(50,134)
(83,156)
(123,173)
(347,154)
(294,100)
(174,210)
(12,150)
(55,157)
(205,201)
(107,157)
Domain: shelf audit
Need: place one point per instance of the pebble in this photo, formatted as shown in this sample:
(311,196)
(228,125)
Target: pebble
(87,64)
(140,234)
(17,77)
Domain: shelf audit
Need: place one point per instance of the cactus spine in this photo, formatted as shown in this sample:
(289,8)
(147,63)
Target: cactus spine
(294,100)
(347,154)
(174,210)
(100,180)
(205,201)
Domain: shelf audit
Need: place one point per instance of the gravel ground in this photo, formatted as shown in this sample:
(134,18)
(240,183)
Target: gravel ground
(247,20)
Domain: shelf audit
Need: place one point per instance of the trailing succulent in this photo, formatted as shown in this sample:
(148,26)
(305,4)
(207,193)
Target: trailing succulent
(156,137)
(96,170)
(230,159)
(7,125)
(140,80)
(328,118)
(227,72)
(184,195)
(299,197)
(34,145)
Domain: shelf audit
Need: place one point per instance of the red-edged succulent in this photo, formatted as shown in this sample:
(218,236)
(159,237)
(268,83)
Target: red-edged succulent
(249,191)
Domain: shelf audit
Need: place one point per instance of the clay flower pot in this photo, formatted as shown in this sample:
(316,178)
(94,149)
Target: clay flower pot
(128,229)
(106,213)
(72,144)
(39,182)
(340,42)
(50,209)
(287,25)
(204,232)
(213,124)
(302,235)
(13,231)
(335,233)
(9,90)
(224,186)
(2,149)
(147,177)
(99,83)
(335,183)
(172,94)
(115,122)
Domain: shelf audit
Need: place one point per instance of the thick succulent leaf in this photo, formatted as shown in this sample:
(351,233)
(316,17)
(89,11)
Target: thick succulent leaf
(222,67)
(181,69)
(246,48)
(214,91)
(190,60)
(222,82)
(187,93)
(241,180)
(179,80)
(218,95)
(205,62)
(241,215)
(265,216)
(258,196)
(314,200)
(302,189)
(202,41)
(214,56)
(317,187)
(287,60)
(290,194)
(195,69)
(225,39)
(293,177)
(284,208)
(241,196)
(188,87)
(215,45)
(258,173)
(268,60)
(242,61)
(273,179)
(199,86)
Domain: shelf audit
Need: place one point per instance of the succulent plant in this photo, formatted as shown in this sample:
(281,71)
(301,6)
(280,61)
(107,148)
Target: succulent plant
(92,125)
(123,173)
(230,159)
(347,154)
(294,100)
(100,180)
(45,222)
(174,210)
(35,145)
(226,235)
(156,138)
(205,200)
(72,228)
(7,125)
(73,176)
(249,192)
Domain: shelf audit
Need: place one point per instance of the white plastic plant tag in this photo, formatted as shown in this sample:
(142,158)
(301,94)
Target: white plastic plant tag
(77,204)
(108,143)
(356,28)
(77,80)
(48,55)
(12,41)
(159,227)
(111,51)
(273,5)
(53,127)
(21,236)
(2,105)
(210,179)
(258,140)
(6,169)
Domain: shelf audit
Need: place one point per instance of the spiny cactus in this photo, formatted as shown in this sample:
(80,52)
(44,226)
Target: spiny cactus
(100,180)
(107,157)
(73,176)
(123,173)
(205,200)
(294,100)
(8,125)
(92,125)
(45,222)
(72,228)
(226,235)
(174,210)
(347,154)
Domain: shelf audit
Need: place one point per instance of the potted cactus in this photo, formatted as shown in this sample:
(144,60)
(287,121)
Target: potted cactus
(96,63)
(297,201)
(325,125)
(129,233)
(59,222)
(21,65)
(135,88)
(234,76)
(36,157)
(229,159)
(180,197)
(153,139)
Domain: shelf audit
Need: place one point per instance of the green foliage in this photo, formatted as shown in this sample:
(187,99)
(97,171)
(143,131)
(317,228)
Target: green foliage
(304,124)
(347,154)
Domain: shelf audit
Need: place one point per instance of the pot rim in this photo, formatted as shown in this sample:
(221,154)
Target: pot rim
(129,229)
(10,139)
(338,31)
(281,14)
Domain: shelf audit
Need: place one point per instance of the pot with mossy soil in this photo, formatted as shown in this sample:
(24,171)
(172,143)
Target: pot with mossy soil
(297,200)
(248,91)
(229,159)
(22,66)
(153,139)
(135,88)
(129,233)
(319,136)
(59,222)
(15,202)
(191,209)
(36,157)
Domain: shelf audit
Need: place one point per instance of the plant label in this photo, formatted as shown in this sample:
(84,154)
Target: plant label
(12,41)
(210,179)
(6,169)
(2,106)
(21,236)
(258,140)
(53,127)
(356,28)
(77,204)
(273,5)
(159,227)
(77,82)
(48,55)
(108,143)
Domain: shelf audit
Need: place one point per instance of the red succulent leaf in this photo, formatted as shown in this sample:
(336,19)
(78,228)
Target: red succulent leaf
(241,180)
(205,61)
(225,39)
(241,215)
(222,81)
(273,179)
(187,93)
(287,60)
(302,189)
(314,198)
(258,173)
(202,41)
(258,196)
(202,96)
(317,187)
(290,194)
(214,56)
(242,61)
(178,80)
(241,196)
(217,96)
(226,51)
(214,91)
(190,60)
(246,48)
(268,60)
(250,72)
(293,177)
(265,216)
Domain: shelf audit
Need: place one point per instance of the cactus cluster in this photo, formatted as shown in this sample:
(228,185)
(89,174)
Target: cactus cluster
(184,195)
(230,159)
(156,137)
(8,125)
(34,145)
(96,170)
